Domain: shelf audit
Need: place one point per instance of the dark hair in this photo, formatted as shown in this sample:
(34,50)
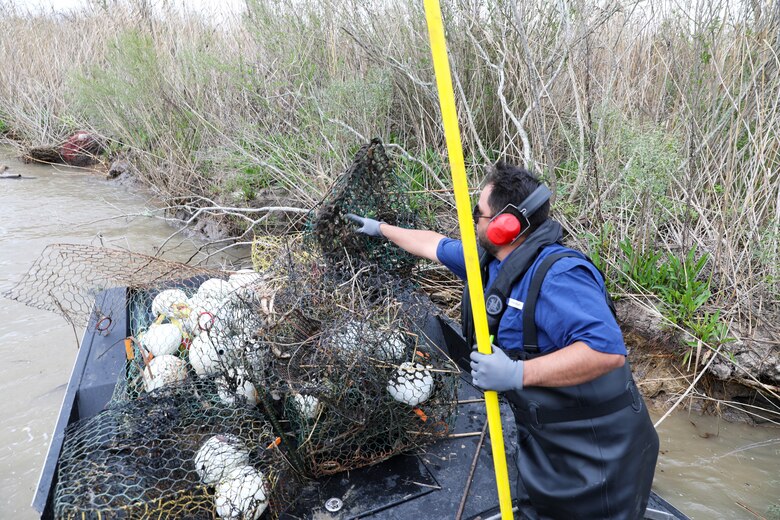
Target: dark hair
(511,185)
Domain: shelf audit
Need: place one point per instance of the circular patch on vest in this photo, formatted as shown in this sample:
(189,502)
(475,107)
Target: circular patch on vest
(493,305)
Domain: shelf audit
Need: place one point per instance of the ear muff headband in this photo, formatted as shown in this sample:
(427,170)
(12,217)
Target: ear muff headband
(511,222)
(535,200)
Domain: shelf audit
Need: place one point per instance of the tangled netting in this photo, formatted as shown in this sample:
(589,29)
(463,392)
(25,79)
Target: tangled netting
(237,385)
(370,188)
(358,378)
(341,367)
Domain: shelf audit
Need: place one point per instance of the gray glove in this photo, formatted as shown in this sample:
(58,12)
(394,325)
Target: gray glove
(496,371)
(368,227)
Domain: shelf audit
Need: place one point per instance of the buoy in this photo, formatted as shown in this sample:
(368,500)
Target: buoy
(163,370)
(163,303)
(218,456)
(214,289)
(358,338)
(162,339)
(241,494)
(349,340)
(236,383)
(392,348)
(412,384)
(201,316)
(247,285)
(308,405)
(204,356)
(239,317)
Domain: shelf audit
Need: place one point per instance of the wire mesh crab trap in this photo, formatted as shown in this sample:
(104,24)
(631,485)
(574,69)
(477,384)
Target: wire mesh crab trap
(358,380)
(172,454)
(198,328)
(370,188)
(361,395)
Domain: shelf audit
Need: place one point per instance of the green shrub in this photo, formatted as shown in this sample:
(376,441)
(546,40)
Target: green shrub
(681,286)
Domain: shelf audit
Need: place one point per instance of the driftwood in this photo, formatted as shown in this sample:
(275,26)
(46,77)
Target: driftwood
(5,175)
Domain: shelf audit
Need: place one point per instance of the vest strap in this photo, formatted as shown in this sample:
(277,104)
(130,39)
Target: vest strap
(530,338)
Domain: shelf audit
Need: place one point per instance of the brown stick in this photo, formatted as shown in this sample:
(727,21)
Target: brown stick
(746,508)
(471,472)
(461,435)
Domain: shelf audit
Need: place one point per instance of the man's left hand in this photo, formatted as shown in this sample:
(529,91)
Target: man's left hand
(496,371)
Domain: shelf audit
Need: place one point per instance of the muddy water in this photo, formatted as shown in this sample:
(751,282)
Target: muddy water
(705,469)
(37,348)
(709,468)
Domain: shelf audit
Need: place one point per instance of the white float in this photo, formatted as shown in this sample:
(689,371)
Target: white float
(412,384)
(164,303)
(214,289)
(391,348)
(241,494)
(247,285)
(236,383)
(161,339)
(218,456)
(204,356)
(308,405)
(358,337)
(162,371)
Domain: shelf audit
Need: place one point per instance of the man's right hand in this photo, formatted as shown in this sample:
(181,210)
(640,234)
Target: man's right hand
(368,226)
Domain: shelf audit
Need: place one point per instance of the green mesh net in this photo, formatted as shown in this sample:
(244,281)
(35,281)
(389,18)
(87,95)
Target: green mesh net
(176,453)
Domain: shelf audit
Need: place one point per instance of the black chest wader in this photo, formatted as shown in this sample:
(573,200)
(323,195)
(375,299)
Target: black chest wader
(586,451)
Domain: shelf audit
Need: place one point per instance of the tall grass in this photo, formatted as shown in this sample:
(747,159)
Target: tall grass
(655,123)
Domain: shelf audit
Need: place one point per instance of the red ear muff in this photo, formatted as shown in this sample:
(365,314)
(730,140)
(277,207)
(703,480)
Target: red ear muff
(503,229)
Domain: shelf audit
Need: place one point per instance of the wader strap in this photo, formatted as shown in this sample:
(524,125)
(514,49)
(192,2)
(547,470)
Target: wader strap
(537,415)
(530,340)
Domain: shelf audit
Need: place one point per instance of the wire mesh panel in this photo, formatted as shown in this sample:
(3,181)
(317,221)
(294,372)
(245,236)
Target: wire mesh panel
(358,379)
(66,279)
(172,454)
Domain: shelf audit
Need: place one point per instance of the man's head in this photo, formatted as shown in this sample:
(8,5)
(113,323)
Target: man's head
(506,184)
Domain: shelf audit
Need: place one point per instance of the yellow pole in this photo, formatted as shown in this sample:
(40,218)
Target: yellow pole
(460,185)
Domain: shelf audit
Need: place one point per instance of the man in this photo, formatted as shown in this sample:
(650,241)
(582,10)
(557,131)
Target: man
(587,447)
